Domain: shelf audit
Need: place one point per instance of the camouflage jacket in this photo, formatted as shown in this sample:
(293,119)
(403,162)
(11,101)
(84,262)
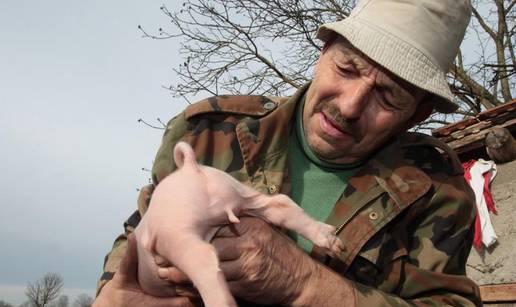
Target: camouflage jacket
(405,218)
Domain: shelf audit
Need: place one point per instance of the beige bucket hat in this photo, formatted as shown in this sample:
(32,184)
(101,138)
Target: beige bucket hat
(417,40)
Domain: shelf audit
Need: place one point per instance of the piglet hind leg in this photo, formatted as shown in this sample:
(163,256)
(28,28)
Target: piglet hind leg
(198,260)
(282,211)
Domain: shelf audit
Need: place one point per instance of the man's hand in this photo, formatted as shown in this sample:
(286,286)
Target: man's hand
(263,265)
(124,290)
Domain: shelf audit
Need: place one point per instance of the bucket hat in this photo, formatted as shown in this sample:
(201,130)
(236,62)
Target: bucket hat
(417,40)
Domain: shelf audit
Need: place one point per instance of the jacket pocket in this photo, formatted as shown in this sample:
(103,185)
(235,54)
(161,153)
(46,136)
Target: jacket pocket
(380,262)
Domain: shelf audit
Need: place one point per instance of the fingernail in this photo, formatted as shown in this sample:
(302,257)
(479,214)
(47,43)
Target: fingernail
(163,273)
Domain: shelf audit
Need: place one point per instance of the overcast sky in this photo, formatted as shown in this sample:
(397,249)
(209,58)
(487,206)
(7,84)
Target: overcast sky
(74,78)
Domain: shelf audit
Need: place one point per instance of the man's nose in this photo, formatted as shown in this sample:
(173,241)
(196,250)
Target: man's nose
(355,98)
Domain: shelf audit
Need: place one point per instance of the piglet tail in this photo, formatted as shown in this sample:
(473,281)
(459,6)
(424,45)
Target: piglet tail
(184,155)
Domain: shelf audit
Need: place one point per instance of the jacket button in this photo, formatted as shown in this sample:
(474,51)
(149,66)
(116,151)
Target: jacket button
(273,189)
(269,105)
(373,215)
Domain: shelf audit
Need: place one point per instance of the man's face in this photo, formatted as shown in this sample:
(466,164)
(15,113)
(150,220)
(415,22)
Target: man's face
(353,106)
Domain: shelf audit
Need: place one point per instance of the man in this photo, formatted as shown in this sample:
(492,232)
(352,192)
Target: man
(339,148)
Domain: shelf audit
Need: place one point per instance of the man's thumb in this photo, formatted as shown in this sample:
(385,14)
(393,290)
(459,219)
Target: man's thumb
(128,269)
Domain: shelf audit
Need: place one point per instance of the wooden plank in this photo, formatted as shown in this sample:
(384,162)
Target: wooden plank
(473,141)
(486,115)
(459,134)
(494,112)
(477,127)
(449,129)
(498,293)
(473,129)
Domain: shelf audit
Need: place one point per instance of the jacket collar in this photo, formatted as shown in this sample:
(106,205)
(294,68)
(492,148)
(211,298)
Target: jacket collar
(264,142)
(265,138)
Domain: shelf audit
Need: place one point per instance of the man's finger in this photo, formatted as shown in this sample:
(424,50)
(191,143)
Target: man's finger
(173,275)
(232,270)
(160,261)
(228,231)
(177,301)
(226,248)
(238,289)
(188,291)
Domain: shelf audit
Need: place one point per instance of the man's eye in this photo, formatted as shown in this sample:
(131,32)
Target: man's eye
(389,104)
(385,101)
(346,69)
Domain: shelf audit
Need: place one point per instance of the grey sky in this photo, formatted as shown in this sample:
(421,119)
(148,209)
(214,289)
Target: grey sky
(74,78)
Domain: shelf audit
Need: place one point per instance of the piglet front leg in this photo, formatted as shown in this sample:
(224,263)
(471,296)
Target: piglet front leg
(282,211)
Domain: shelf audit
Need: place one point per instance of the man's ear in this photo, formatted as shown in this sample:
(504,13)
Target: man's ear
(324,49)
(328,43)
(423,110)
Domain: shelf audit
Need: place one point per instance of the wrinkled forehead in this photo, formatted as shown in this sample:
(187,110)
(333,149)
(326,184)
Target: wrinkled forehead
(343,50)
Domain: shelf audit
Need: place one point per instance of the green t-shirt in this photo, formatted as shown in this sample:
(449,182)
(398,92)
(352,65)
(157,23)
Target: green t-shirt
(316,184)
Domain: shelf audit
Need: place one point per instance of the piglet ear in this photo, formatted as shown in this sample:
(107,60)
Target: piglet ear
(184,154)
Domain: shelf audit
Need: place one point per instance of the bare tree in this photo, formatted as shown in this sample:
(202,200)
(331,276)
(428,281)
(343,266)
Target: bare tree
(481,76)
(45,290)
(62,301)
(267,47)
(83,300)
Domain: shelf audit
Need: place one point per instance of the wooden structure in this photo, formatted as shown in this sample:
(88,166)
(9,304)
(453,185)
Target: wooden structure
(498,295)
(466,137)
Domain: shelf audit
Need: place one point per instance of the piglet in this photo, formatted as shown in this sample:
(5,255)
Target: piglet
(186,210)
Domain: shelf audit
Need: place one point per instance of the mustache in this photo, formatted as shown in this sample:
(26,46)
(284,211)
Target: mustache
(332,112)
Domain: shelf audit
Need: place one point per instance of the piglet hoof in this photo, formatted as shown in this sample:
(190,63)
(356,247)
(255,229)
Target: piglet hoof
(336,247)
(327,240)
